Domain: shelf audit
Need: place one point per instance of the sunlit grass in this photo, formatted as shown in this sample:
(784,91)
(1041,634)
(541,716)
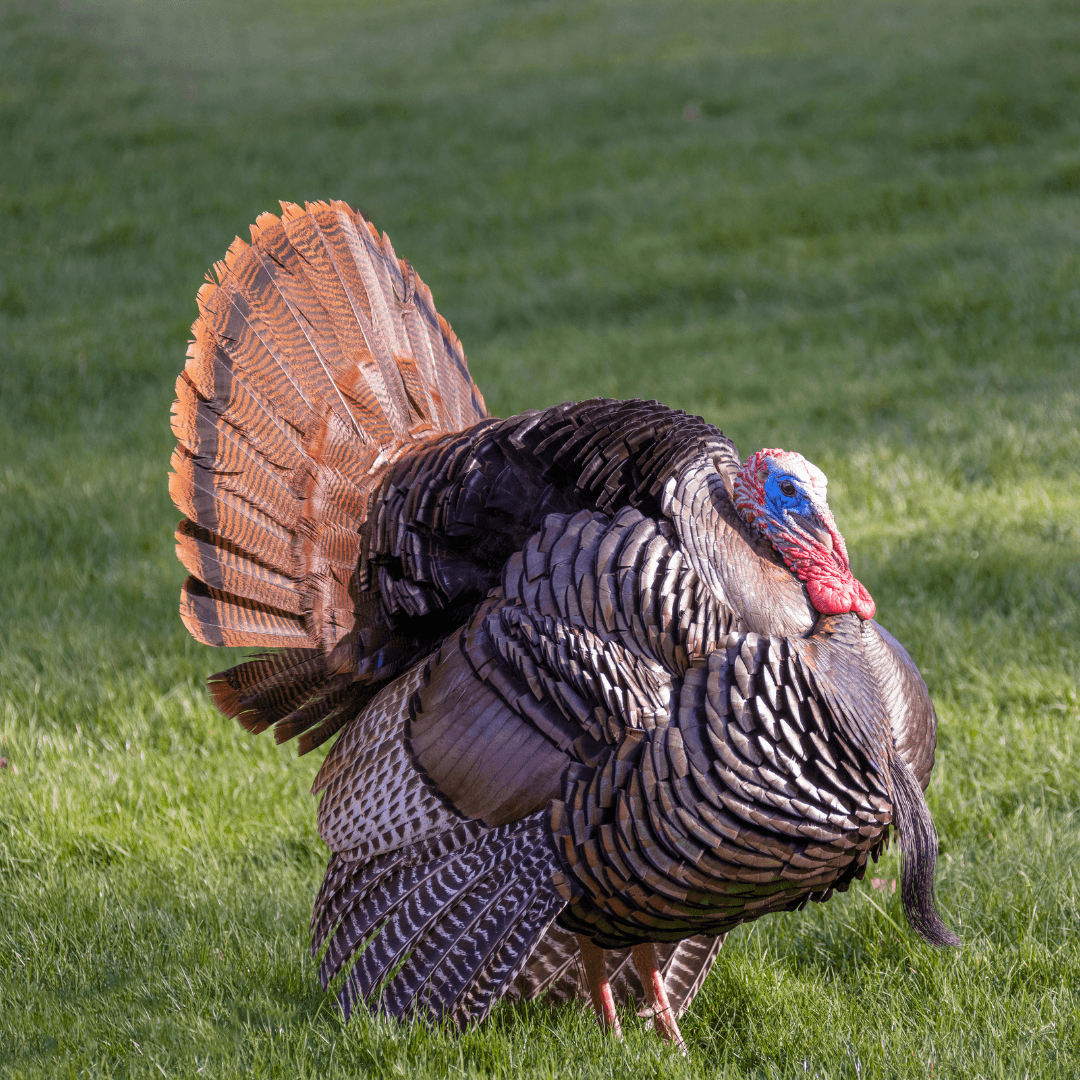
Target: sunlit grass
(850,229)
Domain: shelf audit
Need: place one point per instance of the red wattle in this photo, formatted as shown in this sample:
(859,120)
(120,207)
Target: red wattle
(834,592)
(864,605)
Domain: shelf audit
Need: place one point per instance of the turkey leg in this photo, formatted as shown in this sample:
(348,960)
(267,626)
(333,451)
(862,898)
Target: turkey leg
(656,999)
(592,958)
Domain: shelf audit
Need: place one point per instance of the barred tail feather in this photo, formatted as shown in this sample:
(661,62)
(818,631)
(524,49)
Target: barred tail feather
(317,359)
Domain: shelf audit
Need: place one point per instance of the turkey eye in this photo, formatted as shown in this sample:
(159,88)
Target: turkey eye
(787,487)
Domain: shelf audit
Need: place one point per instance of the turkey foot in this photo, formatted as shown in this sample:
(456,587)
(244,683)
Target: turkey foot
(592,957)
(656,999)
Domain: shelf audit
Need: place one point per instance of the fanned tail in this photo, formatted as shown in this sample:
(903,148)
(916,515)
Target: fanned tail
(318,358)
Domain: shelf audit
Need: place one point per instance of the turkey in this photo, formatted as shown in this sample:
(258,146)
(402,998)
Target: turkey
(603,690)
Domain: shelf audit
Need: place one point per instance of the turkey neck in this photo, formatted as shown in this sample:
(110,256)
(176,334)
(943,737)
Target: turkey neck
(911,712)
(743,571)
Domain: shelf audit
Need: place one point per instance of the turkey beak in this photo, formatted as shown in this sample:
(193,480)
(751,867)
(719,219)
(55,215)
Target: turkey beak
(815,529)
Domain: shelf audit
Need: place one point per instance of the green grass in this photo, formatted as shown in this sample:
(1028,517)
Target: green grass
(865,248)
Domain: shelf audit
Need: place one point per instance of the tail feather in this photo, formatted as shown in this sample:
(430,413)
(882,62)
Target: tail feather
(273,324)
(323,715)
(331,293)
(264,689)
(431,348)
(223,566)
(218,618)
(226,509)
(211,391)
(317,359)
(216,433)
(297,691)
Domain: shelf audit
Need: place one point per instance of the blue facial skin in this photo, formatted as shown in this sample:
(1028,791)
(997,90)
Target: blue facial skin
(779,503)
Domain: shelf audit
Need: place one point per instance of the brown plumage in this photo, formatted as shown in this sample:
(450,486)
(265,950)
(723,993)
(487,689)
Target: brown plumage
(585,699)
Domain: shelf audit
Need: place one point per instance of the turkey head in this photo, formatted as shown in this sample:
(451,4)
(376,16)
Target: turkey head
(784,496)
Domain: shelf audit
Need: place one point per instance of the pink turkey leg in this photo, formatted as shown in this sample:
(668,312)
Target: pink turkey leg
(652,980)
(603,1000)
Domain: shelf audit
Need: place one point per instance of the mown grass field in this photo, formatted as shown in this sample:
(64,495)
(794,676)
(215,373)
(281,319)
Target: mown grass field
(849,228)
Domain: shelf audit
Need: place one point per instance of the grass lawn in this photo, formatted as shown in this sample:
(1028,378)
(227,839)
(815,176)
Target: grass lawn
(846,228)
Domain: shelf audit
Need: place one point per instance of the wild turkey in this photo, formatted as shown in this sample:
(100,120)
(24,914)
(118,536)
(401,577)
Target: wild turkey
(603,688)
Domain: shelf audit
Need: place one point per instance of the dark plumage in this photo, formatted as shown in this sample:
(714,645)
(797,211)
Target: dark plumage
(600,684)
